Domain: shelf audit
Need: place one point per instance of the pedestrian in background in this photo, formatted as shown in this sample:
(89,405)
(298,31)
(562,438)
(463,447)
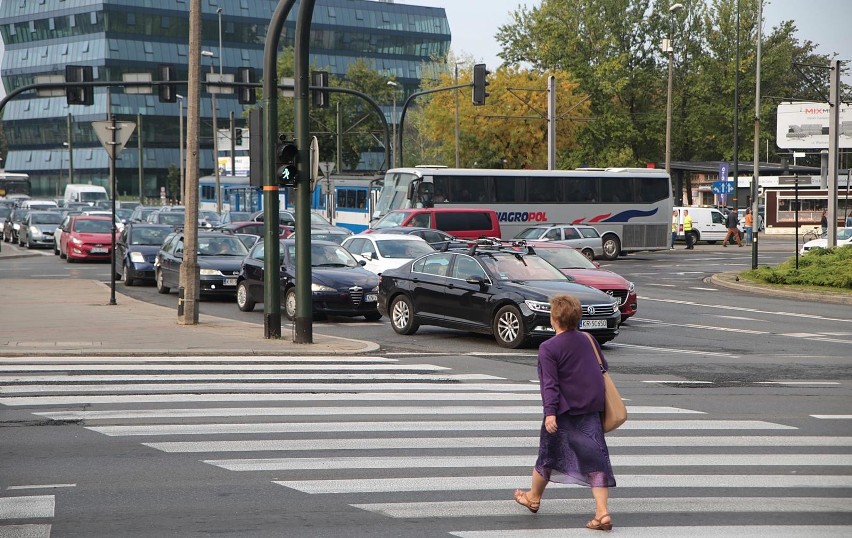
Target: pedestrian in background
(687,230)
(731,222)
(823,221)
(572,448)
(749,221)
(674,227)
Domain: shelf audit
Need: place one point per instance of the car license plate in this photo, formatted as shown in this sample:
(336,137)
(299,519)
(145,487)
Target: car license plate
(99,250)
(593,324)
(371,298)
(230,282)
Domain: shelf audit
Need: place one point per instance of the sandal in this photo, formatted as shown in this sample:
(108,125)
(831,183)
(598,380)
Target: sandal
(598,524)
(522,499)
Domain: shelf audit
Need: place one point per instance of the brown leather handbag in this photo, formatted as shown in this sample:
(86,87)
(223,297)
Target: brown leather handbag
(615,412)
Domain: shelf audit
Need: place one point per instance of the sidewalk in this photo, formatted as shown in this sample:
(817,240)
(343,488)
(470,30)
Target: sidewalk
(74,317)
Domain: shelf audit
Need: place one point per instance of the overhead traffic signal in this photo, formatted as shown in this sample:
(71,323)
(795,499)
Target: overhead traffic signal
(479,83)
(168,92)
(79,95)
(286,162)
(246,95)
(320,97)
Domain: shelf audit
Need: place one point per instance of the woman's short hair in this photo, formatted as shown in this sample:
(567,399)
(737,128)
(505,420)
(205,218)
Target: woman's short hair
(566,310)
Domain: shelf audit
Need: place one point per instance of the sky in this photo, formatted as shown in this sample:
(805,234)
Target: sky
(825,22)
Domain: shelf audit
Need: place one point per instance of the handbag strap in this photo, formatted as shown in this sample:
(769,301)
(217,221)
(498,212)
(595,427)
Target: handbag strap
(595,349)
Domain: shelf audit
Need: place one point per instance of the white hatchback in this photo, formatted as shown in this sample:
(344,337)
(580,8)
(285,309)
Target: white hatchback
(844,237)
(386,251)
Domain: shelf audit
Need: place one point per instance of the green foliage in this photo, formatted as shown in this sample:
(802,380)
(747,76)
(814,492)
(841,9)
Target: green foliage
(173,181)
(824,267)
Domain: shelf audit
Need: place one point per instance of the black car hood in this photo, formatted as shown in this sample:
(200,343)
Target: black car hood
(337,277)
(548,288)
(222,263)
(145,250)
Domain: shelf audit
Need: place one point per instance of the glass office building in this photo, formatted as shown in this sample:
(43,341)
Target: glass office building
(117,37)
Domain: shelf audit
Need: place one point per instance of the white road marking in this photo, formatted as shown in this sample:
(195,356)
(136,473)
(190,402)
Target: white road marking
(401,443)
(142,359)
(303,387)
(683,381)
(833,417)
(29,507)
(216,367)
(480,461)
(33,530)
(703,289)
(677,531)
(247,377)
(742,309)
(696,326)
(673,350)
(321,411)
(43,486)
(796,383)
(740,318)
(487,483)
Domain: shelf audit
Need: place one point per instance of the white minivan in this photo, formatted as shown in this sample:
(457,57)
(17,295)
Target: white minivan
(708,224)
(90,194)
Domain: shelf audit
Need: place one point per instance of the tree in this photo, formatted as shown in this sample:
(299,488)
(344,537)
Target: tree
(510,131)
(173,182)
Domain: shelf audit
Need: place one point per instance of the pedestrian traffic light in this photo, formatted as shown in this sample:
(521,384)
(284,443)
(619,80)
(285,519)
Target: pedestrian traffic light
(479,84)
(319,97)
(168,92)
(79,95)
(286,162)
(246,94)
(238,136)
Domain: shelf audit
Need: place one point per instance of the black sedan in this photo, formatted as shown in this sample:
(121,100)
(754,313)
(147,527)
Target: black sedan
(219,258)
(491,291)
(136,250)
(340,286)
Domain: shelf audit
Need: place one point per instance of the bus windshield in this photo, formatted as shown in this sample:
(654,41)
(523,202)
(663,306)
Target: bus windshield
(394,193)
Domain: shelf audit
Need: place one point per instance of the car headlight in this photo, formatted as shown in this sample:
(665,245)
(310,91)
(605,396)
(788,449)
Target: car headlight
(319,287)
(538,306)
(375,290)
(35,232)
(137,257)
(76,241)
(631,287)
(211,272)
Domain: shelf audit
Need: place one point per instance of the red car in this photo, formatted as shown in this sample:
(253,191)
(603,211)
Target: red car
(572,263)
(86,237)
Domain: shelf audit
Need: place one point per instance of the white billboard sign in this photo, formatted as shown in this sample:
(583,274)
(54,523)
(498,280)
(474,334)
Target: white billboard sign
(805,126)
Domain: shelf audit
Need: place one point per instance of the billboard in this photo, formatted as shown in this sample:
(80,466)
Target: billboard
(805,126)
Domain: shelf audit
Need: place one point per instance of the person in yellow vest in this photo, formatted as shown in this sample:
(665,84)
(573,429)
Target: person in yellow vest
(674,227)
(687,229)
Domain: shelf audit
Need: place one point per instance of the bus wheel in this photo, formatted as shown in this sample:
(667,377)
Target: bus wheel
(611,247)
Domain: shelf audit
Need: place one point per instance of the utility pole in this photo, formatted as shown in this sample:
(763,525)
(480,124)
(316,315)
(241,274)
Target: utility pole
(139,143)
(833,153)
(70,149)
(755,180)
(458,129)
(551,122)
(188,292)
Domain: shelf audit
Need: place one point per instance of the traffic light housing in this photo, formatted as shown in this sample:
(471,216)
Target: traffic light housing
(238,136)
(246,95)
(168,92)
(286,162)
(320,97)
(479,83)
(79,95)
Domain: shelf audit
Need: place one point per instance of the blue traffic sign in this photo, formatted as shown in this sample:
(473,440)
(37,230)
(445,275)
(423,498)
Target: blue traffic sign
(722,187)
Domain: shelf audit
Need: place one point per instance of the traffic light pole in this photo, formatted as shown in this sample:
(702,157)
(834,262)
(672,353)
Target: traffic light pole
(272,252)
(398,142)
(304,300)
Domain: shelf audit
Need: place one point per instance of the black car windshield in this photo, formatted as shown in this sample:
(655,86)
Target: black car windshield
(225,245)
(520,267)
(325,256)
(149,236)
(46,218)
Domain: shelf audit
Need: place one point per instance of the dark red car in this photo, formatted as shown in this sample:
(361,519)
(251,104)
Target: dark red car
(86,238)
(572,263)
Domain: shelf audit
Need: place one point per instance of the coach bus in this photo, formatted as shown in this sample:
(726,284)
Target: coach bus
(630,207)
(14,183)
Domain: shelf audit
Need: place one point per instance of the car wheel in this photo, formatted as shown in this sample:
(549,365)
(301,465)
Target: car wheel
(611,247)
(373,316)
(62,255)
(508,326)
(290,303)
(588,253)
(402,315)
(55,249)
(695,237)
(243,300)
(128,278)
(161,284)
(711,242)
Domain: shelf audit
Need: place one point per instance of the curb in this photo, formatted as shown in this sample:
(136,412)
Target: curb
(730,280)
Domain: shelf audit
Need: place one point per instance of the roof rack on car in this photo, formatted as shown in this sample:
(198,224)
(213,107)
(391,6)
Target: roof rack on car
(495,243)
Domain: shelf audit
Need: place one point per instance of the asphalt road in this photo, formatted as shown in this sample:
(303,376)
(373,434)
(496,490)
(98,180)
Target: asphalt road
(739,425)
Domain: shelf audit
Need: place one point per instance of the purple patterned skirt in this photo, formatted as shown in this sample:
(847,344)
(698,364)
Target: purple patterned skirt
(576,453)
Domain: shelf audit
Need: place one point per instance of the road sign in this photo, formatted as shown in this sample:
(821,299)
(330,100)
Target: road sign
(722,187)
(104,130)
(723,171)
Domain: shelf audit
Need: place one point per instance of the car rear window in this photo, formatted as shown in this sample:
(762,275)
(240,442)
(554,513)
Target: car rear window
(467,220)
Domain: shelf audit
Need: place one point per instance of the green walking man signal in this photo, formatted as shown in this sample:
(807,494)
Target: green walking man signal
(286,161)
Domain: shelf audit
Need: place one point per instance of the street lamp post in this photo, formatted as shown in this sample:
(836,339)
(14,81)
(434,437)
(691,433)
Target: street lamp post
(667,45)
(210,55)
(181,149)
(393,122)
(70,163)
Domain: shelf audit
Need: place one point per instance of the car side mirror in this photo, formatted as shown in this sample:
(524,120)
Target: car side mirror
(478,280)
